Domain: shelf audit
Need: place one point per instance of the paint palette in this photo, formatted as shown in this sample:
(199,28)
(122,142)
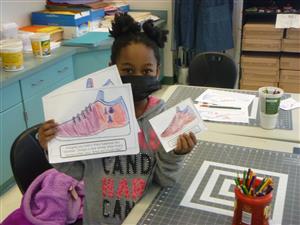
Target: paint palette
(204,195)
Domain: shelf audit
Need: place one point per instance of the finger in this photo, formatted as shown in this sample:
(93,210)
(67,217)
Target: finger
(49,125)
(178,145)
(193,136)
(190,141)
(49,138)
(49,132)
(184,142)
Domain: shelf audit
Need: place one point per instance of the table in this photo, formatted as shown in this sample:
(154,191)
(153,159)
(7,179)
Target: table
(177,214)
(292,134)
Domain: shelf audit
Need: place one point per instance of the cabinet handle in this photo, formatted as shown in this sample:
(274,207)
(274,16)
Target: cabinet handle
(37,83)
(63,70)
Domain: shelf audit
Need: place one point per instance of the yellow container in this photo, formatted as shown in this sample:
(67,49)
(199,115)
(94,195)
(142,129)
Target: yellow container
(11,52)
(40,43)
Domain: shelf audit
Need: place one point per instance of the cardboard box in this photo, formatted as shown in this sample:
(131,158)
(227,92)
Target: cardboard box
(290,76)
(261,45)
(262,62)
(290,87)
(290,45)
(95,18)
(73,32)
(290,62)
(254,85)
(260,75)
(293,33)
(265,31)
(60,18)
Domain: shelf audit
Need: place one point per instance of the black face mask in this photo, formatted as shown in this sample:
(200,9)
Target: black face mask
(142,86)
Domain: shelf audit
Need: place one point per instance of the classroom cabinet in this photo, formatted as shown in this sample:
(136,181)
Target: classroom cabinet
(41,83)
(87,62)
(33,107)
(21,104)
(12,124)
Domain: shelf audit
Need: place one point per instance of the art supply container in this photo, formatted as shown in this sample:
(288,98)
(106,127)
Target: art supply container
(11,52)
(269,100)
(40,43)
(251,210)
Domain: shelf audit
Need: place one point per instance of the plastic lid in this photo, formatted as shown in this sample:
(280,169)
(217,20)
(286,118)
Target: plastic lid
(10,42)
(40,36)
(11,45)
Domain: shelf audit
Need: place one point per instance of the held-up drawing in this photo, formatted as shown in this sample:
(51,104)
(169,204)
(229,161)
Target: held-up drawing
(180,119)
(96,118)
(93,123)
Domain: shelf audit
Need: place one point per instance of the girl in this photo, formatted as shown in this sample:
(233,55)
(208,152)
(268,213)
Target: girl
(113,185)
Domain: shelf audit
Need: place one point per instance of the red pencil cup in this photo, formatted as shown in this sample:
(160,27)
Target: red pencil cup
(251,210)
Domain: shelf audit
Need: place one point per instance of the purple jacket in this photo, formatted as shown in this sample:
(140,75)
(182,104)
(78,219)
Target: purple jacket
(48,201)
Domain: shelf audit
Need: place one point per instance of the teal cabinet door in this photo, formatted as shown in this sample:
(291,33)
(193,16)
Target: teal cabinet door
(12,124)
(90,61)
(33,106)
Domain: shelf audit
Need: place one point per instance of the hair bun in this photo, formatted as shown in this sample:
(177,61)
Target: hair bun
(154,33)
(123,24)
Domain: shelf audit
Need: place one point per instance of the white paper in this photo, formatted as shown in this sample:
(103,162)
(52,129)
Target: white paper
(225,98)
(80,111)
(287,21)
(181,118)
(101,78)
(289,104)
(254,107)
(223,115)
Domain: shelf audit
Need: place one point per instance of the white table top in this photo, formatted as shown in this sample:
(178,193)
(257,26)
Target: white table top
(251,131)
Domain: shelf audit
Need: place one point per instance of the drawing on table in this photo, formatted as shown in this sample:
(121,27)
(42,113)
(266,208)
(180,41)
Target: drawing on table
(180,119)
(97,117)
(231,116)
(225,98)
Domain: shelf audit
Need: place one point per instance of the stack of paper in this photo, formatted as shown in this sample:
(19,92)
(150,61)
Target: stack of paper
(224,106)
(96,118)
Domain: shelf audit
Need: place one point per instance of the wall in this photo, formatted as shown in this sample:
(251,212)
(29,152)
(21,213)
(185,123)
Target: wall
(19,11)
(160,5)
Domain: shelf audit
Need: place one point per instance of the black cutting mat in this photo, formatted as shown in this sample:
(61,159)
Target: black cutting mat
(184,92)
(211,167)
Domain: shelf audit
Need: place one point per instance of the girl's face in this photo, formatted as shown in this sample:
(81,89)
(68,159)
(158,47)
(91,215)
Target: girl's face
(137,59)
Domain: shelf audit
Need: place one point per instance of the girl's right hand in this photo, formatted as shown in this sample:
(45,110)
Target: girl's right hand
(46,132)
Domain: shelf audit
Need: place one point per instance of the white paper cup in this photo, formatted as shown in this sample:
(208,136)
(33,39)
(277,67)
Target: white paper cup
(268,121)
(269,101)
(40,43)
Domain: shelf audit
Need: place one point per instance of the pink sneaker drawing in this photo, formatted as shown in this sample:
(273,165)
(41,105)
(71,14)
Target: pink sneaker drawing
(96,118)
(181,119)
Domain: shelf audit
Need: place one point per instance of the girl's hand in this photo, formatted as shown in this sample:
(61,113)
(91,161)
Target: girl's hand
(46,132)
(185,143)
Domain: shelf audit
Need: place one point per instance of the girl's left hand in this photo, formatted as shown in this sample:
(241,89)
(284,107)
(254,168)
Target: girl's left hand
(185,143)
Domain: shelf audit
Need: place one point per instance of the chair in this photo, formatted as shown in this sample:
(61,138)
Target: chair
(212,69)
(27,158)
